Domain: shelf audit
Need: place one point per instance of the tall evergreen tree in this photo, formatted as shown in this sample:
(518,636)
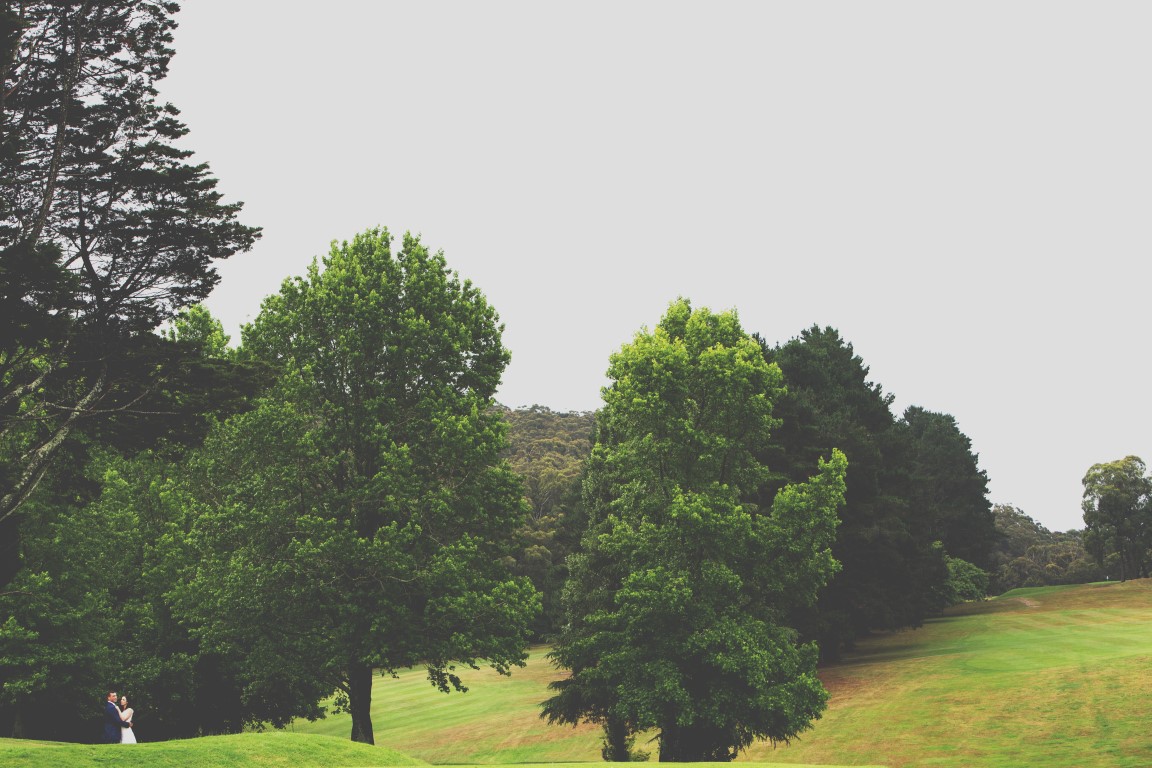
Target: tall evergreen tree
(949,490)
(106,227)
(889,577)
(915,494)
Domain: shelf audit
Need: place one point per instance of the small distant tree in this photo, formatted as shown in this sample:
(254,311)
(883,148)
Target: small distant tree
(1118,515)
(1029,555)
(965,581)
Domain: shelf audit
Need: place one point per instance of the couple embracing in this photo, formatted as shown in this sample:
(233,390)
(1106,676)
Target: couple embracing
(118,721)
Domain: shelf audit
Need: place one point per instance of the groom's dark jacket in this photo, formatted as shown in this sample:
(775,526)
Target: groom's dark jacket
(112,723)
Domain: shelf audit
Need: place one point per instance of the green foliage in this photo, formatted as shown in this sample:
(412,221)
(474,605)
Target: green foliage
(965,581)
(358,517)
(949,490)
(106,229)
(910,484)
(86,612)
(58,622)
(678,603)
(1029,555)
(196,325)
(246,750)
(547,450)
(84,608)
(886,575)
(93,165)
(1118,515)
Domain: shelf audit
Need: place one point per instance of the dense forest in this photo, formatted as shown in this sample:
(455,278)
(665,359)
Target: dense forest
(240,531)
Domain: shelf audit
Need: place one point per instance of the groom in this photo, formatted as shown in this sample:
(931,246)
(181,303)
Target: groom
(112,721)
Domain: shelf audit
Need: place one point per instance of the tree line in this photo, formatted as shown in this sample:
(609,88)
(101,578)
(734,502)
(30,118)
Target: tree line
(239,533)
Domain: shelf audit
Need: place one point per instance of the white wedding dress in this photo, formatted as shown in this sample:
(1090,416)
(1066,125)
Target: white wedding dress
(127,735)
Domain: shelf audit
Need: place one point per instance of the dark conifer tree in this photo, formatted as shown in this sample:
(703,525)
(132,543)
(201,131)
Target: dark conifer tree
(949,490)
(893,571)
(106,227)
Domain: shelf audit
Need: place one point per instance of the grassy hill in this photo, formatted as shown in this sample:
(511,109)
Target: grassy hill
(496,721)
(1053,676)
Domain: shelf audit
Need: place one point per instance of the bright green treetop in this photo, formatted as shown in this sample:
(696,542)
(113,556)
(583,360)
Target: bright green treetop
(196,325)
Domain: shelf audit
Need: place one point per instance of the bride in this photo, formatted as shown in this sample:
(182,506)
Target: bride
(127,735)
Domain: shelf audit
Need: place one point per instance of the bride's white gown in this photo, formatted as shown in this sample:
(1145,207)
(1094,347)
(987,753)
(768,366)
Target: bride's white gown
(127,735)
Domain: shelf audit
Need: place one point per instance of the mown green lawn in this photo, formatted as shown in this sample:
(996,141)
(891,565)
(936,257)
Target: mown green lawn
(1052,677)
(496,720)
(1056,676)
(249,750)
(246,750)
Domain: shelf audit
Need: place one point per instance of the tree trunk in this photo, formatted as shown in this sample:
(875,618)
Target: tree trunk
(35,460)
(617,745)
(9,551)
(360,703)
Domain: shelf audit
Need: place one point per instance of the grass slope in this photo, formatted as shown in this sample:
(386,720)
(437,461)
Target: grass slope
(496,721)
(1054,676)
(263,750)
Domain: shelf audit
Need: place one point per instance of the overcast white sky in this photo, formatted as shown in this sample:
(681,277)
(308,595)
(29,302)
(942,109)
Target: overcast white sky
(962,189)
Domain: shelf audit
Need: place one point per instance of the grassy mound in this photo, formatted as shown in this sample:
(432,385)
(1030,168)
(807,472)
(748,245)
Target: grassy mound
(291,750)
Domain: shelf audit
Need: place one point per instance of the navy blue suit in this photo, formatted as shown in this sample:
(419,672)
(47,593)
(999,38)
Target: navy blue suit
(112,723)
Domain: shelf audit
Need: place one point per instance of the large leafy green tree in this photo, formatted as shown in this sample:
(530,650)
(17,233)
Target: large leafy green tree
(1118,515)
(678,605)
(359,517)
(106,226)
